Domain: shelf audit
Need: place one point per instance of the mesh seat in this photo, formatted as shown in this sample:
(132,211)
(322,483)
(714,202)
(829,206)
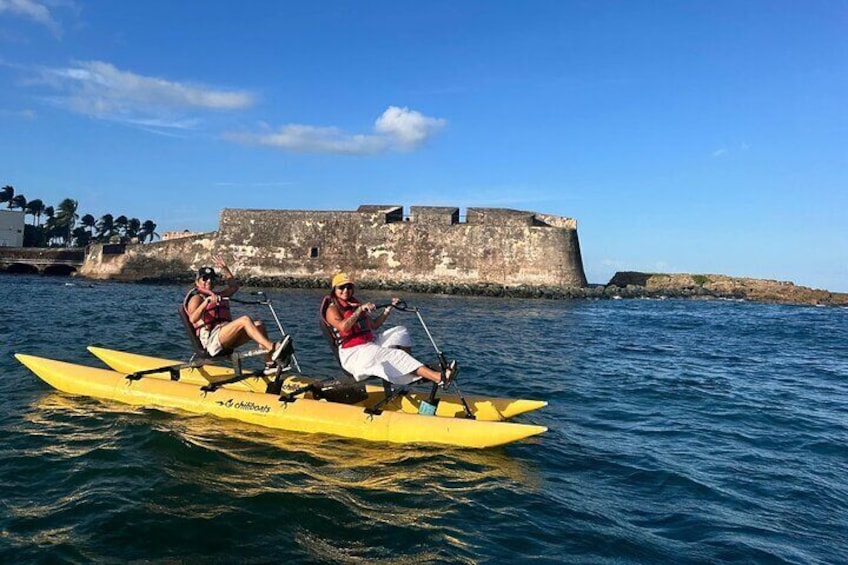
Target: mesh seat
(199,352)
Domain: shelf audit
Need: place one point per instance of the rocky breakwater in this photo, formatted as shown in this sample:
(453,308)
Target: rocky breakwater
(634,284)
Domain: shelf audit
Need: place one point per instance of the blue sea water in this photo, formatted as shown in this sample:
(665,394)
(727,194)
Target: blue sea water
(680,432)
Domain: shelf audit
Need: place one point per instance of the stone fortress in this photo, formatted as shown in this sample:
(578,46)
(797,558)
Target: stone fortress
(377,244)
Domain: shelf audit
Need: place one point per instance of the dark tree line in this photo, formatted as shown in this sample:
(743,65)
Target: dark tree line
(64,227)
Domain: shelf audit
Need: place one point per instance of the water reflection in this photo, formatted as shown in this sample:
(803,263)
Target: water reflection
(332,499)
(80,425)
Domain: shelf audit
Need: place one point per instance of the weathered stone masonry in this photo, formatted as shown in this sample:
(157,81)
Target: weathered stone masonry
(375,243)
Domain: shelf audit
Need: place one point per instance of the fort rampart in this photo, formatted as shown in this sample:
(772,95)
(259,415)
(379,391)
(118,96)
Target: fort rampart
(378,244)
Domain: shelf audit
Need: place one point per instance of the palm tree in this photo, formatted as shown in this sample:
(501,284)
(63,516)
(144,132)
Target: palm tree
(133,228)
(19,201)
(51,231)
(7,193)
(121,225)
(82,236)
(35,208)
(105,227)
(148,230)
(88,222)
(49,225)
(66,218)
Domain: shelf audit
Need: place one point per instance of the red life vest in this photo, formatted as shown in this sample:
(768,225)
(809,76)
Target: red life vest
(361,332)
(213,314)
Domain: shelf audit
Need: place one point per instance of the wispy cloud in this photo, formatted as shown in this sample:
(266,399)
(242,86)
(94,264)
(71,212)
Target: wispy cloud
(32,10)
(399,129)
(102,91)
(724,151)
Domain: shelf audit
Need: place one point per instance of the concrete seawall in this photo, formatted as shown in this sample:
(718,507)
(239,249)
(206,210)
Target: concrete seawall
(378,244)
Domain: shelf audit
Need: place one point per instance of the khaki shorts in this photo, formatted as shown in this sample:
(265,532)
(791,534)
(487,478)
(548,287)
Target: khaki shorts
(211,340)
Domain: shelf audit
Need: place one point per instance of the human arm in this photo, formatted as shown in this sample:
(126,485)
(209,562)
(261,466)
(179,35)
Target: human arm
(378,321)
(198,303)
(233,284)
(342,324)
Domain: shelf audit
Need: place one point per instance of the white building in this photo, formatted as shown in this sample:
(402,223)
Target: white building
(11,228)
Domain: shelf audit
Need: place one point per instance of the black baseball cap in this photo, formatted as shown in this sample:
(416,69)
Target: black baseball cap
(206,272)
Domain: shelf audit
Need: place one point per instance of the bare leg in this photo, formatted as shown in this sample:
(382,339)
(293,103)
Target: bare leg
(261,327)
(430,374)
(243,329)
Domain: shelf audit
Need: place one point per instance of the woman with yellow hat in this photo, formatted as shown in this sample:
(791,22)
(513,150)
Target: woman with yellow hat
(362,351)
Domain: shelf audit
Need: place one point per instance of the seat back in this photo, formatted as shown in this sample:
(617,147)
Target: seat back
(199,351)
(346,390)
(329,331)
(196,346)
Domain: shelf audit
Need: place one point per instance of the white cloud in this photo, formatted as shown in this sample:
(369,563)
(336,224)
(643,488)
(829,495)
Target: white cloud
(311,139)
(408,127)
(397,128)
(100,90)
(720,152)
(32,10)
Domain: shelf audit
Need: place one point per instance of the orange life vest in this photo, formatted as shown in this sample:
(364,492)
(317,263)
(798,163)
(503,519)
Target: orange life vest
(213,314)
(361,332)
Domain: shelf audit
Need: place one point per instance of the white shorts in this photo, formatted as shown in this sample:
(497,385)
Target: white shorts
(211,341)
(380,359)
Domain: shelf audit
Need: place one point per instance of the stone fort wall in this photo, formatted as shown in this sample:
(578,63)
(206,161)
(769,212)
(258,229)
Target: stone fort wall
(374,243)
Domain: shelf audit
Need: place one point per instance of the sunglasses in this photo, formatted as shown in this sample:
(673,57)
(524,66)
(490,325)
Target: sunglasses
(207,277)
(347,286)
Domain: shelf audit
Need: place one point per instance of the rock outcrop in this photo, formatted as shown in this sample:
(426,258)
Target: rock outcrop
(631,284)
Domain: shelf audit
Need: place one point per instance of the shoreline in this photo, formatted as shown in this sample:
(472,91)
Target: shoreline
(622,285)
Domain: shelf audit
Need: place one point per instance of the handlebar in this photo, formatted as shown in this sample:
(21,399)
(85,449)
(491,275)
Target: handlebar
(263,301)
(401,306)
(248,302)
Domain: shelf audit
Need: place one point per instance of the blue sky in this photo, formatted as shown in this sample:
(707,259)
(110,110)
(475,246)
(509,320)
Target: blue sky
(703,137)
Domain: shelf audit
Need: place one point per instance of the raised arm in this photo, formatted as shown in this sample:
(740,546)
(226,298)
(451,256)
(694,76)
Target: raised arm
(233,284)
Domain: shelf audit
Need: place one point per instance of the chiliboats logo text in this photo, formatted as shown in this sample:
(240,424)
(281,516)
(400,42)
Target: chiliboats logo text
(247,406)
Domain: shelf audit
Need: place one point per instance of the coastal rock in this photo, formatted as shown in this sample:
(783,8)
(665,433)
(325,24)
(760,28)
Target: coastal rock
(722,286)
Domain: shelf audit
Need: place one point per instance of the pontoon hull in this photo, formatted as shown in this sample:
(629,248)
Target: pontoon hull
(302,415)
(483,408)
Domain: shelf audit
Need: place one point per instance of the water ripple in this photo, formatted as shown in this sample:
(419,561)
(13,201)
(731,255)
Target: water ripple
(680,431)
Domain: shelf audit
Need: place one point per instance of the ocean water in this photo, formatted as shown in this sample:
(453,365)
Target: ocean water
(680,432)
